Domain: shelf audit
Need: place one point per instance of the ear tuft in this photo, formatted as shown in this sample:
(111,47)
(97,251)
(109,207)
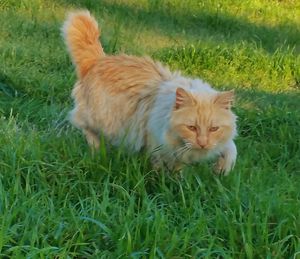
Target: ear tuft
(225,99)
(183,98)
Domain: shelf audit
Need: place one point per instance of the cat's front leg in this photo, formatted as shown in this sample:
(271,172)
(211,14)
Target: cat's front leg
(227,159)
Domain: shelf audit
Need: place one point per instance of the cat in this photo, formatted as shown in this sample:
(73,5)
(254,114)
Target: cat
(139,101)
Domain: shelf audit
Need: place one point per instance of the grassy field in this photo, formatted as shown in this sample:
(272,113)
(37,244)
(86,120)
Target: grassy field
(58,201)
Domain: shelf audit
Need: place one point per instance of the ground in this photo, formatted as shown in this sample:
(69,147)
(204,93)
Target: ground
(58,200)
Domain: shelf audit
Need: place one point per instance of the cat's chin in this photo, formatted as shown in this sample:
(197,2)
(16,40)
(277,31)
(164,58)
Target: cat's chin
(201,150)
(205,151)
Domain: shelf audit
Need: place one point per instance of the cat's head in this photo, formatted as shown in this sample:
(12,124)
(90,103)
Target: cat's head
(204,121)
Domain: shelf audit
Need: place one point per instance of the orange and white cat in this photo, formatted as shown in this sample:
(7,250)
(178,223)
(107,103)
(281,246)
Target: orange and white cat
(137,100)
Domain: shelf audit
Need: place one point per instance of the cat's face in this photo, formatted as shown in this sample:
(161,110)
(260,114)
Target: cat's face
(203,122)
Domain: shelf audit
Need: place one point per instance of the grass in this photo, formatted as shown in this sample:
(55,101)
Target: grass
(58,201)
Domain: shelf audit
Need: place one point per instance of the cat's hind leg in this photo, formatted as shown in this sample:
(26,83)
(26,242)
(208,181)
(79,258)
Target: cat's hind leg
(92,138)
(78,120)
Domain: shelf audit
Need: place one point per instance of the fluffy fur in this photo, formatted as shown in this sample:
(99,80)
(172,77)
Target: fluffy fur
(142,103)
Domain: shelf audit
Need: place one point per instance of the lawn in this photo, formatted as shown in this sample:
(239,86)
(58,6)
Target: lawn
(58,200)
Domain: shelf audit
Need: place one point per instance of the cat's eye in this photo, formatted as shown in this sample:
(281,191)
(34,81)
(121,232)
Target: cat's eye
(192,128)
(213,129)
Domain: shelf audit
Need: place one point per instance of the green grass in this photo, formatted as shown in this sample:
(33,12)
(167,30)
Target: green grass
(58,201)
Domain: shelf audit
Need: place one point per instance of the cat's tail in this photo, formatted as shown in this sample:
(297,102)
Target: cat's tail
(81,34)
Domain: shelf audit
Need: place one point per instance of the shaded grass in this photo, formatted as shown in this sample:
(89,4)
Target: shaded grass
(58,200)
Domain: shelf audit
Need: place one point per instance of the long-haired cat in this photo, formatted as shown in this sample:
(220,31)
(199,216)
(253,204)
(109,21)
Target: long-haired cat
(178,120)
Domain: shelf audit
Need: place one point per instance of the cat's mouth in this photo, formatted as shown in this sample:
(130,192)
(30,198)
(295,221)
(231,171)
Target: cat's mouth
(203,149)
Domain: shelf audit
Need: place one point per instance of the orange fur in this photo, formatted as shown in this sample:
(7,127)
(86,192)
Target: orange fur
(115,87)
(81,35)
(138,100)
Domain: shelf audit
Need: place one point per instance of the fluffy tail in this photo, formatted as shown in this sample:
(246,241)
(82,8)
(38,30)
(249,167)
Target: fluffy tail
(81,34)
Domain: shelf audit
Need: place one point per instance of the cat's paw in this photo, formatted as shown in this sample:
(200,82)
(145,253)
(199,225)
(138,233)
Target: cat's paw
(227,159)
(224,165)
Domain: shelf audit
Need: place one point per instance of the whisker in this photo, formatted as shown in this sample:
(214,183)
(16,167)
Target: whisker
(182,150)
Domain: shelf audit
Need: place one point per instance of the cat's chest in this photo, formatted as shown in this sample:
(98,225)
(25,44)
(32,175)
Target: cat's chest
(194,156)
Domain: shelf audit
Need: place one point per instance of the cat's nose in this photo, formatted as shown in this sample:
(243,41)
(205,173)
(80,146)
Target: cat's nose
(202,142)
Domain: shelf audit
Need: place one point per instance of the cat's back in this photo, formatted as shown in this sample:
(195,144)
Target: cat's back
(128,73)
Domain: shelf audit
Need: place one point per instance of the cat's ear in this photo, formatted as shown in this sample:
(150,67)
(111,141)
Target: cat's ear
(225,99)
(183,98)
